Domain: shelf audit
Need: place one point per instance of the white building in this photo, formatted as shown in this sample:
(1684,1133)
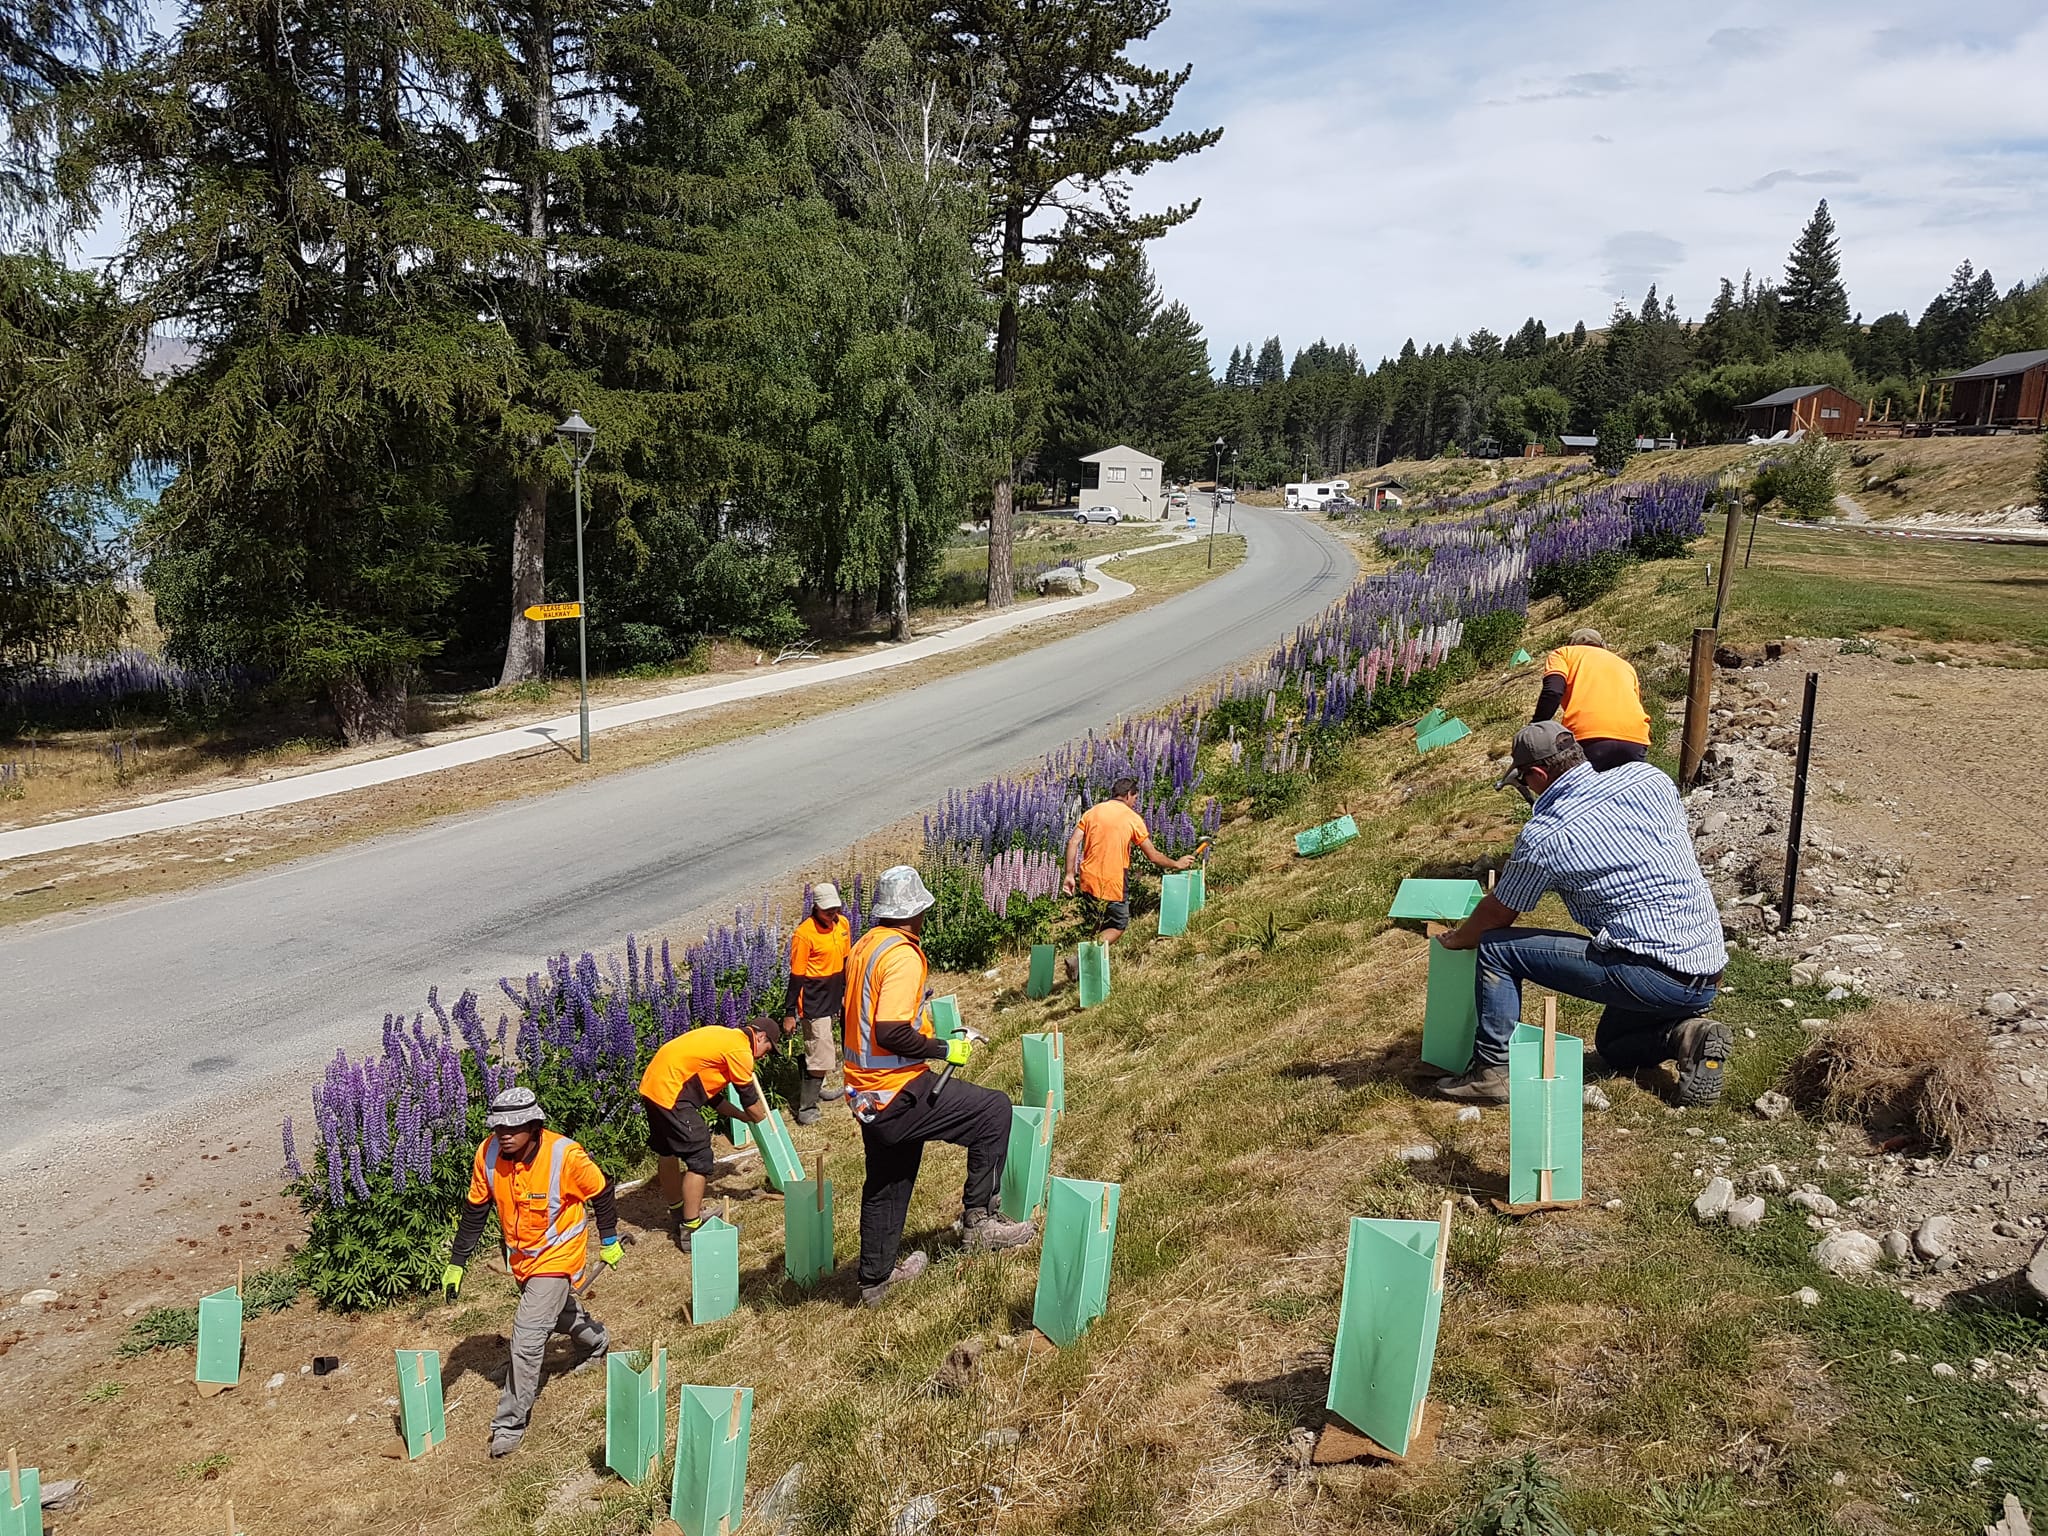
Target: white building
(1132,482)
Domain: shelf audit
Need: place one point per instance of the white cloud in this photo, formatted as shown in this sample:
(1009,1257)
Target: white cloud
(1392,171)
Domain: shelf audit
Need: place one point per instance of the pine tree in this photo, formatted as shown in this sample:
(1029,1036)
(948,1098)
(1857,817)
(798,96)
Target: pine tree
(1074,114)
(53,54)
(305,233)
(1813,306)
(1272,364)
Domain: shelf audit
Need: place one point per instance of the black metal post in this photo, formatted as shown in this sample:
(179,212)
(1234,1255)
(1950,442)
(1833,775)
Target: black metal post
(1754,518)
(1798,801)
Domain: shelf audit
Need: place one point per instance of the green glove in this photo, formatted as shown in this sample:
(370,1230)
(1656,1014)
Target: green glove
(610,1254)
(451,1282)
(958,1049)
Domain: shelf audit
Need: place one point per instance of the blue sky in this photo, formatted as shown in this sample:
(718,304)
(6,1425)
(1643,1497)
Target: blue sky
(1423,169)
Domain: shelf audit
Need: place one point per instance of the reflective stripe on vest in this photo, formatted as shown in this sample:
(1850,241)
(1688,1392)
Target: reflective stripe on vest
(862,1052)
(555,1161)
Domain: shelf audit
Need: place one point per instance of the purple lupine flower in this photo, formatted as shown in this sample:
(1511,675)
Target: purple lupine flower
(291,1151)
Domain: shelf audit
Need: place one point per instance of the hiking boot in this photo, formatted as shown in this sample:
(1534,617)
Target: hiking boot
(987,1232)
(506,1441)
(902,1274)
(1484,1084)
(1701,1048)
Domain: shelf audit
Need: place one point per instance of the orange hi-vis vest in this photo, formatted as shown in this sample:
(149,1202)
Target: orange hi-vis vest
(874,1076)
(541,1212)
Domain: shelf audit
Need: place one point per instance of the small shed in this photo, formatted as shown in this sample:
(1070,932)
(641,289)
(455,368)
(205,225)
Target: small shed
(1380,493)
(1585,444)
(2008,391)
(1818,408)
(1121,477)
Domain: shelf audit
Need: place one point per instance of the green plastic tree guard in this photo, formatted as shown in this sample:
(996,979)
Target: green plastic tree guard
(1073,1259)
(1450,901)
(1317,841)
(1430,722)
(946,1017)
(1175,903)
(220,1338)
(807,1255)
(21,1503)
(1387,1326)
(741,1132)
(714,1271)
(421,1419)
(1198,889)
(1028,1164)
(635,1414)
(1442,735)
(1045,1070)
(1094,974)
(778,1152)
(713,1427)
(1044,961)
(1521,658)
(1450,1019)
(1546,1113)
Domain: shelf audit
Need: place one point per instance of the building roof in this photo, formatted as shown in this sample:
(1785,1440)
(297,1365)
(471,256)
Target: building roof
(1120,451)
(1787,396)
(1579,442)
(2001,367)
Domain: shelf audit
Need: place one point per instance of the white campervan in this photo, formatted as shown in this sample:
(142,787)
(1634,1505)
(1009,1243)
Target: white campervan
(1312,494)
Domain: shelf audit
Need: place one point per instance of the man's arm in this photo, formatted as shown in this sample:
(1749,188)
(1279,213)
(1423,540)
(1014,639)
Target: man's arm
(469,1232)
(1073,862)
(1161,861)
(1492,913)
(753,1105)
(604,1205)
(909,1040)
(1551,699)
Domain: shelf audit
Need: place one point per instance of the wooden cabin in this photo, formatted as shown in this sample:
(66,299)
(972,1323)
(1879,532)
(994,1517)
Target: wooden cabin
(2009,391)
(1818,408)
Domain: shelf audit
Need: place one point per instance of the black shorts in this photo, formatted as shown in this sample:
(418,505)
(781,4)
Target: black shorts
(1100,915)
(679,1133)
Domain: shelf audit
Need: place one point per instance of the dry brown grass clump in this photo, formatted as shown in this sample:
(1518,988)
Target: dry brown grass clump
(1903,1065)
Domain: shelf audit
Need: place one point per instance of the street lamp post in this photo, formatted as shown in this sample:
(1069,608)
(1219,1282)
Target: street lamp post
(1215,499)
(579,437)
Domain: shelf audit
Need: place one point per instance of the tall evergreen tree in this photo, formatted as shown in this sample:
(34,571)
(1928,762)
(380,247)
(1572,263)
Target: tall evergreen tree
(296,220)
(1271,367)
(1813,306)
(1074,119)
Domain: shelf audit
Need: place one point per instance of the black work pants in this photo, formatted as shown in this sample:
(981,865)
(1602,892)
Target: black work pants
(1604,754)
(966,1115)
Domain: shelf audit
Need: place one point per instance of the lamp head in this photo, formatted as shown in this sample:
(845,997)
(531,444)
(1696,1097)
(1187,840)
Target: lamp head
(577,435)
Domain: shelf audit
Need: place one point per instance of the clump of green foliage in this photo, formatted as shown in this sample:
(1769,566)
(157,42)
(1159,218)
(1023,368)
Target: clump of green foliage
(1802,479)
(1579,582)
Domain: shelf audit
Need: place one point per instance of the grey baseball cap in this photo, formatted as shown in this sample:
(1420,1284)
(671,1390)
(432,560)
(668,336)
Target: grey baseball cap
(1587,637)
(1536,742)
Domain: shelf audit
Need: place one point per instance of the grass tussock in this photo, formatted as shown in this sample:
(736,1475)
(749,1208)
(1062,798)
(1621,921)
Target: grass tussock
(1902,1065)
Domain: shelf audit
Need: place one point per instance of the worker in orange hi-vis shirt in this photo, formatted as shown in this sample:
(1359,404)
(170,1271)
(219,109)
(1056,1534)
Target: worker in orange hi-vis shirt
(547,1194)
(817,993)
(1595,695)
(1099,855)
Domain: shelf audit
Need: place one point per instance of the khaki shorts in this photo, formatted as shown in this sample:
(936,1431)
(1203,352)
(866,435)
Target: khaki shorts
(821,1046)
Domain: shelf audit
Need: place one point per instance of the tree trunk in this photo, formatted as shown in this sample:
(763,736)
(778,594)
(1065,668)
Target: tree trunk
(1001,588)
(900,628)
(369,708)
(526,651)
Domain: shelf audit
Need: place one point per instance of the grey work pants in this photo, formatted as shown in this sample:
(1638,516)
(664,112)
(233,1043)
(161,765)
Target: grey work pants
(548,1304)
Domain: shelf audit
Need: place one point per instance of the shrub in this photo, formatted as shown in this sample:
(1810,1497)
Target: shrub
(1491,638)
(1802,478)
(1580,582)
(1617,443)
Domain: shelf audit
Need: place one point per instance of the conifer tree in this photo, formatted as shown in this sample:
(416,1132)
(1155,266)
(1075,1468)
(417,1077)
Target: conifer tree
(1813,306)
(1074,114)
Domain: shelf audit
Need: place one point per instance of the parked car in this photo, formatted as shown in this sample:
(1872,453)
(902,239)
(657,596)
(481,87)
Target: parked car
(1178,499)
(1227,496)
(1098,515)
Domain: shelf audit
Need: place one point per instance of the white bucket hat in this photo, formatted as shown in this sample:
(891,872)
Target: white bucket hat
(513,1108)
(900,894)
(825,895)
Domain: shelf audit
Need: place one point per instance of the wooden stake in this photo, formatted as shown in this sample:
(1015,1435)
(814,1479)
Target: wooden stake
(1443,1248)
(819,1179)
(231,1517)
(732,1425)
(238,1277)
(419,1360)
(13,1478)
(1549,1037)
(1045,1125)
(1105,1209)
(726,1214)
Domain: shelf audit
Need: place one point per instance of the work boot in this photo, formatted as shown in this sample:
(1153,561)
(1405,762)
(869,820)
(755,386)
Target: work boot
(902,1274)
(1701,1048)
(1486,1083)
(986,1232)
(506,1441)
(679,1229)
(807,1099)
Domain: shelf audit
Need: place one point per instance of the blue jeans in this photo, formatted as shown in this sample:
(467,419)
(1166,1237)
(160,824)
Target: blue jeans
(1642,1001)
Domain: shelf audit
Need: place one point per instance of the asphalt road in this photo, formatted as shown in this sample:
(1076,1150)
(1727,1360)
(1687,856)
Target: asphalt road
(114,1024)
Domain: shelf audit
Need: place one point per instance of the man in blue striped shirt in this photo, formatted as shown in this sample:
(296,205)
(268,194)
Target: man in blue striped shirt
(1615,847)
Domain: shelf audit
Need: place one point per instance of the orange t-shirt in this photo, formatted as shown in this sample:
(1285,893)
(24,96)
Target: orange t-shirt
(520,1192)
(1602,699)
(711,1055)
(1109,830)
(815,953)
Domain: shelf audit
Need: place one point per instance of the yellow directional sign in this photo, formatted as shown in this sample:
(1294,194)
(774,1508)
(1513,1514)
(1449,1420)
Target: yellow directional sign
(540,613)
